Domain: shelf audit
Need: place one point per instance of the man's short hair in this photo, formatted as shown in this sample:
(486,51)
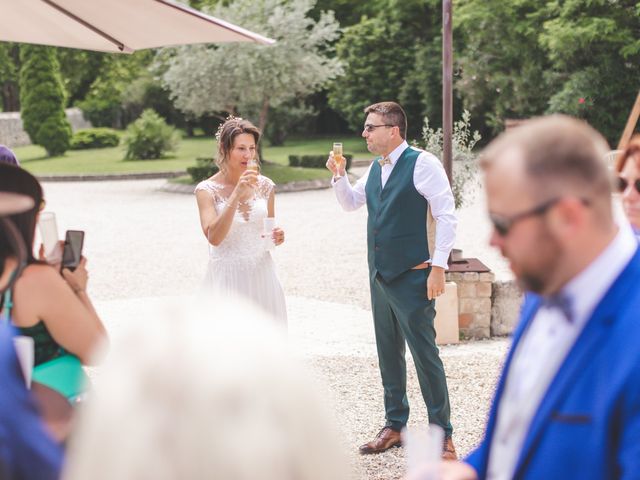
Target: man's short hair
(561,154)
(392,113)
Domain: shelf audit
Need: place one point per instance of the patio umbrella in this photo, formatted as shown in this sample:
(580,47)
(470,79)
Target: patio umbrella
(114,25)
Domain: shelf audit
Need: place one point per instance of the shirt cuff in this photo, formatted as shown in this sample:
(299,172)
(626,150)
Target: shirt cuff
(440,259)
(335,180)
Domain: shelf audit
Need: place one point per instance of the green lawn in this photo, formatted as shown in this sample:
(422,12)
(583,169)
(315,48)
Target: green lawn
(109,160)
(278,173)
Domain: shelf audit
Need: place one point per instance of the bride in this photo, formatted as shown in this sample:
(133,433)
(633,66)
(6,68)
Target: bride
(233,204)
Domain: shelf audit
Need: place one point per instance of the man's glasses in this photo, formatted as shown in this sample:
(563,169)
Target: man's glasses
(369,127)
(623,184)
(503,225)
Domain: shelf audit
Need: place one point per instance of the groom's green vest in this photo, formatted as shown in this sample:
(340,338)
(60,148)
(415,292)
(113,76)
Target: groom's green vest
(397,223)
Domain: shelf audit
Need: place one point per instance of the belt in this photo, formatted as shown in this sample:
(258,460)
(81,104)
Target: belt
(422,266)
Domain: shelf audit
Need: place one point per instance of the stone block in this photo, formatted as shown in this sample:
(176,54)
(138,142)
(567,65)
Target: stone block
(482,305)
(482,320)
(483,289)
(446,321)
(454,277)
(467,290)
(467,305)
(465,320)
(487,277)
(470,276)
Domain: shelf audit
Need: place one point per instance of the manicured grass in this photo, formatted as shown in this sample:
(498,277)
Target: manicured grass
(278,173)
(110,160)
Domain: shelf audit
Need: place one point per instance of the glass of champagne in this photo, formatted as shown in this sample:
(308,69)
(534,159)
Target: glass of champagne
(253,165)
(337,156)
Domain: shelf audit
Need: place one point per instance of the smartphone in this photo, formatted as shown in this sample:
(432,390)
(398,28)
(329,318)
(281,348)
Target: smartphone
(72,253)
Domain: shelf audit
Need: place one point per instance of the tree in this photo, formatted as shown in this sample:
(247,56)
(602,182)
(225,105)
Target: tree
(502,67)
(42,98)
(250,79)
(594,50)
(375,66)
(393,56)
(104,102)
(9,68)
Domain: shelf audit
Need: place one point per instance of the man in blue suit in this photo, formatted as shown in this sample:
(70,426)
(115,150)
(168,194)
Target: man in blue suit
(568,402)
(26,450)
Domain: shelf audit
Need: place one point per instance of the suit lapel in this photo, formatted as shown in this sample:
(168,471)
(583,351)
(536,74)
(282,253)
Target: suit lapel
(578,358)
(532,303)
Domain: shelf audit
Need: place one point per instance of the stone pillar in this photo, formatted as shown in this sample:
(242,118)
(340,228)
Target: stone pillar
(474,302)
(446,321)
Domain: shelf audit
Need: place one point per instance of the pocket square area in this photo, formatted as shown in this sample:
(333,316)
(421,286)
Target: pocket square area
(568,417)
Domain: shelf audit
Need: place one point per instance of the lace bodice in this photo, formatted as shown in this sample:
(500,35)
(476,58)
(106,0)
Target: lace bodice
(244,243)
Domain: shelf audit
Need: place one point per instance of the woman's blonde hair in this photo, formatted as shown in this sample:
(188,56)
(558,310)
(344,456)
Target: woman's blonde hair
(227,133)
(199,393)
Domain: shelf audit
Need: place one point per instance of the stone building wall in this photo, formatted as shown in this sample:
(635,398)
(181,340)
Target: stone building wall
(13,135)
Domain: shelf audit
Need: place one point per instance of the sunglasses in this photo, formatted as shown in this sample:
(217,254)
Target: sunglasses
(369,127)
(623,184)
(502,225)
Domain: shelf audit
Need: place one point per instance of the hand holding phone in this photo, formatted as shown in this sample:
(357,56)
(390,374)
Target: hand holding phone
(72,252)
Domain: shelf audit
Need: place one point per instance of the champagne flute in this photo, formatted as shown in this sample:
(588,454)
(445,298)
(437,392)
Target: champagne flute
(337,155)
(253,165)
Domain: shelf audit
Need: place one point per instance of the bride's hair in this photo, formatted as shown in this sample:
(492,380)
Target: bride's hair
(227,133)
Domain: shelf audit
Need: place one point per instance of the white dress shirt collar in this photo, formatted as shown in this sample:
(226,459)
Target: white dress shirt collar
(600,275)
(396,152)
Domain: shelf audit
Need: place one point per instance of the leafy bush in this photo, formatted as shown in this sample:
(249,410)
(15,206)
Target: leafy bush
(149,137)
(94,138)
(42,99)
(463,141)
(314,161)
(205,167)
(54,134)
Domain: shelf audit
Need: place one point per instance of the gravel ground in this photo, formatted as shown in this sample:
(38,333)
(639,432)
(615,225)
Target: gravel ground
(145,245)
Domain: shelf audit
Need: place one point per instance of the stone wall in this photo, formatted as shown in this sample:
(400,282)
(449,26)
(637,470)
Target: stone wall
(506,301)
(474,302)
(12,134)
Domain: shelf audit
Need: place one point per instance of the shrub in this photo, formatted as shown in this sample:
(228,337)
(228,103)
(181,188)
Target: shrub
(42,98)
(149,137)
(314,161)
(205,167)
(463,141)
(94,138)
(54,134)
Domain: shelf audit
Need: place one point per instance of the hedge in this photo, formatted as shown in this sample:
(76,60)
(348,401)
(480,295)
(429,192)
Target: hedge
(94,138)
(314,161)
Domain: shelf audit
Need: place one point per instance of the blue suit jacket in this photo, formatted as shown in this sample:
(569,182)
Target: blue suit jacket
(588,423)
(26,450)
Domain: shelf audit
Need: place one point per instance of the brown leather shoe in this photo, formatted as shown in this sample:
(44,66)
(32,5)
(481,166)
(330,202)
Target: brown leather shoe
(448,450)
(385,439)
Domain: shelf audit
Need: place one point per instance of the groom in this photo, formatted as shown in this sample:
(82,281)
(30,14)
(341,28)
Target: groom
(398,188)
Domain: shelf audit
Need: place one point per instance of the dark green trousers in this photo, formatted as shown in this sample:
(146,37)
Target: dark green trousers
(402,313)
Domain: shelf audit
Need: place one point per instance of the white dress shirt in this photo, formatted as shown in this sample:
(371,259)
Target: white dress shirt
(430,180)
(542,350)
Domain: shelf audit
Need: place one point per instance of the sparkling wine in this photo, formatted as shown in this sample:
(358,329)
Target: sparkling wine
(337,154)
(253,165)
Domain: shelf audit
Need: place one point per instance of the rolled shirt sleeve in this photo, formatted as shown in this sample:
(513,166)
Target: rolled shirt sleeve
(431,181)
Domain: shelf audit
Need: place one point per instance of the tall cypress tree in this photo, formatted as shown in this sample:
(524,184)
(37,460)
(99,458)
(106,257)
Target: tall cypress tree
(42,99)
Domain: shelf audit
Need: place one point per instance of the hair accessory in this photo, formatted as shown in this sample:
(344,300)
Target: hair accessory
(221,126)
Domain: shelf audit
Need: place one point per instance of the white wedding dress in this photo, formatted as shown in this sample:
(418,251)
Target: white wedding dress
(241,264)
